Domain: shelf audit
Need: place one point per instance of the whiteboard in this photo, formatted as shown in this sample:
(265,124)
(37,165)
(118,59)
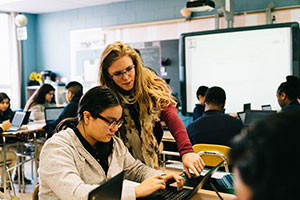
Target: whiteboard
(248,64)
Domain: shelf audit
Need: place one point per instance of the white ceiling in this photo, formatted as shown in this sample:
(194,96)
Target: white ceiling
(45,6)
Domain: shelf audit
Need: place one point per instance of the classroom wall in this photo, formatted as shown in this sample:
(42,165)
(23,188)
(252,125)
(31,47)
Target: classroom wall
(48,44)
(29,54)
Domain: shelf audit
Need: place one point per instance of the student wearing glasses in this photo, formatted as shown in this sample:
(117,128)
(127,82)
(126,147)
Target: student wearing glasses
(145,97)
(78,159)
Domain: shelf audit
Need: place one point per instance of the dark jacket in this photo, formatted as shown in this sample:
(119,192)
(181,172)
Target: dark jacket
(8,114)
(214,127)
(69,111)
(294,105)
(198,111)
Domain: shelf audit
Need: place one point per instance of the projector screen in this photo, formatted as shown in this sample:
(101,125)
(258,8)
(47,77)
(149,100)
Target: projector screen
(248,63)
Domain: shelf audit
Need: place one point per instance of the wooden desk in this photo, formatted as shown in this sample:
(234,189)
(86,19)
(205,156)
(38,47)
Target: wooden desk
(168,137)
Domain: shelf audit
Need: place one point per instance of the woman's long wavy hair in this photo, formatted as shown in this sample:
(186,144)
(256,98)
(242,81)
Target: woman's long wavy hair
(150,91)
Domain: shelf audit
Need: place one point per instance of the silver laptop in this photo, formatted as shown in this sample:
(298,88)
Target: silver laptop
(17,121)
(52,113)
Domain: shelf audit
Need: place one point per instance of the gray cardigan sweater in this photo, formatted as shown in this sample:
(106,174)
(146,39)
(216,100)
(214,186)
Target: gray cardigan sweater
(68,171)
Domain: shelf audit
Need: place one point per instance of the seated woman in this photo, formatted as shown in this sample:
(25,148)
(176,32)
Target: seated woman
(40,99)
(85,155)
(288,92)
(265,159)
(5,111)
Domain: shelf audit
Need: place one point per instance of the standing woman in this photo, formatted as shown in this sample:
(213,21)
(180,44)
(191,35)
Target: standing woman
(41,99)
(5,111)
(288,92)
(145,97)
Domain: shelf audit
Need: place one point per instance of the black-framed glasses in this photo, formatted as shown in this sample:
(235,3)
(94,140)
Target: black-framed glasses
(111,124)
(119,74)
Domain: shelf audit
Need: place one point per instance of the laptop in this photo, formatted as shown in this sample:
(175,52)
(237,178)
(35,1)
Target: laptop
(26,118)
(266,107)
(253,116)
(171,193)
(110,190)
(247,106)
(17,121)
(52,113)
(242,116)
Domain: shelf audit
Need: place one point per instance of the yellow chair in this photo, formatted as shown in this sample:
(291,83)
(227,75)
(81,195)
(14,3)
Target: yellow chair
(35,192)
(212,154)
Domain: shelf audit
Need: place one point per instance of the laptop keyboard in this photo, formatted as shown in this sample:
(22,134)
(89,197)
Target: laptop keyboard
(170,193)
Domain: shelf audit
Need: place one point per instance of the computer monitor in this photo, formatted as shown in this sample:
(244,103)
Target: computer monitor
(253,116)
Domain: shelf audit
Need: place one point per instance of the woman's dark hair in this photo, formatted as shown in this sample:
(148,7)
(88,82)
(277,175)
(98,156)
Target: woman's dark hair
(95,101)
(265,153)
(4,96)
(8,113)
(291,87)
(38,96)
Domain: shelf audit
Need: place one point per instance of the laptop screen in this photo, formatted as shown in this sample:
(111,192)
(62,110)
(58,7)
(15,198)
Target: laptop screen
(266,107)
(52,113)
(256,115)
(18,119)
(110,190)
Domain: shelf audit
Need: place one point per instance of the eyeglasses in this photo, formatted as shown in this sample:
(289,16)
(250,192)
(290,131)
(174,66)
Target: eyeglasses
(129,70)
(111,124)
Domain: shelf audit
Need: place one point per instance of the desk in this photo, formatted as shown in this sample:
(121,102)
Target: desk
(203,194)
(27,132)
(168,137)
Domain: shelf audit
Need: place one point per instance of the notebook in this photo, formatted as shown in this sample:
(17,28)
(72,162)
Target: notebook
(52,113)
(171,193)
(110,190)
(17,121)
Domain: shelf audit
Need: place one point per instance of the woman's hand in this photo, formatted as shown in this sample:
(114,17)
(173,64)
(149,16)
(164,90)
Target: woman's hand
(157,182)
(6,125)
(194,162)
(150,185)
(172,177)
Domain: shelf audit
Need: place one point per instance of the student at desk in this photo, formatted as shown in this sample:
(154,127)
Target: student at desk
(41,98)
(288,92)
(74,93)
(265,159)
(214,127)
(78,159)
(199,107)
(5,111)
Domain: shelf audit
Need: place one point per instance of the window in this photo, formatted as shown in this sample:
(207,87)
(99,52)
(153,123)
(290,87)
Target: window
(9,63)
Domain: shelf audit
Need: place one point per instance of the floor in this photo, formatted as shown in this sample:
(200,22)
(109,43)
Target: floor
(28,188)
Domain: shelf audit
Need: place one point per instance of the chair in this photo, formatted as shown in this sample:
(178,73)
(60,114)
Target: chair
(212,154)
(7,171)
(35,192)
